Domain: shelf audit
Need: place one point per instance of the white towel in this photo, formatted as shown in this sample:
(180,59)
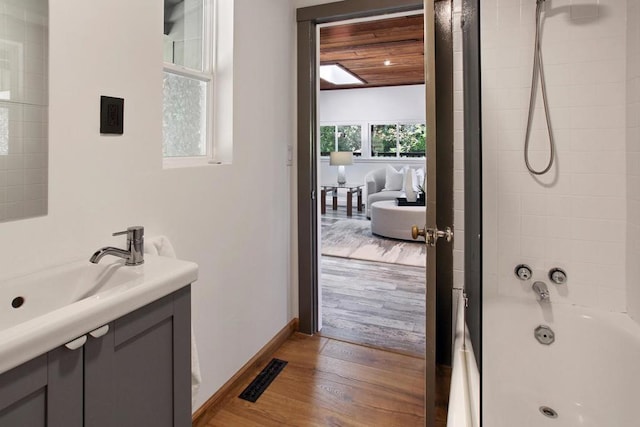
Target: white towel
(160,245)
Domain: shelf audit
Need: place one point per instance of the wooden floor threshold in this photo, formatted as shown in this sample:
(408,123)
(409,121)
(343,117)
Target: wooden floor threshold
(373,347)
(200,417)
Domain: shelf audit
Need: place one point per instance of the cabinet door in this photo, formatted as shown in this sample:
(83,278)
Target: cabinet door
(46,391)
(23,400)
(139,373)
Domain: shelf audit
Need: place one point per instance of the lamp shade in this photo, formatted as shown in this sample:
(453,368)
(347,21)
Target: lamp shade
(340,158)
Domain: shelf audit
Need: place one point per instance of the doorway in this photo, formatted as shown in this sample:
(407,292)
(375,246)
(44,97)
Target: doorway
(307,183)
(371,277)
(438,324)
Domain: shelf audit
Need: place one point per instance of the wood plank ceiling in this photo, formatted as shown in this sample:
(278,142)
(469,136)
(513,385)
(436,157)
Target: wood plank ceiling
(363,47)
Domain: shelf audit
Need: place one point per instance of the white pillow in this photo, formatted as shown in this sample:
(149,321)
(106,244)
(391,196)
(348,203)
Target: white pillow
(394,179)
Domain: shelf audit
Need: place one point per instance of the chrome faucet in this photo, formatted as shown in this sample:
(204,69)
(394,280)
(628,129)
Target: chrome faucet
(541,289)
(134,254)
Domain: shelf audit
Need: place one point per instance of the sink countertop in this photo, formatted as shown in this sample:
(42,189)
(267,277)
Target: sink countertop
(65,302)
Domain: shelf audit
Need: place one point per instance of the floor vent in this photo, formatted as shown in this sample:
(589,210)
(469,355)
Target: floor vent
(262,381)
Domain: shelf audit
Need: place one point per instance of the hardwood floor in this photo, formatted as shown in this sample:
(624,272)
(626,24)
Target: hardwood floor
(376,304)
(372,303)
(332,383)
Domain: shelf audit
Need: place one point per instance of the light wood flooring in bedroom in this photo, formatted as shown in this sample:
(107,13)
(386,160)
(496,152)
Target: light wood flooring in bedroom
(376,304)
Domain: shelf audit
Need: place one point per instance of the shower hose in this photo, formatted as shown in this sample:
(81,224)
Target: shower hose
(538,70)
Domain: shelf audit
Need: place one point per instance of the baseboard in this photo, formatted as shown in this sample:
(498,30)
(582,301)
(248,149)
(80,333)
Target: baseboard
(260,357)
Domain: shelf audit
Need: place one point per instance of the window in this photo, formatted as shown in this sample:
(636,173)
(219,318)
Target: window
(341,138)
(398,140)
(188,79)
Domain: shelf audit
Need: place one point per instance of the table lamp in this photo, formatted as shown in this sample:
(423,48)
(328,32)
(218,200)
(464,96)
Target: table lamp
(341,159)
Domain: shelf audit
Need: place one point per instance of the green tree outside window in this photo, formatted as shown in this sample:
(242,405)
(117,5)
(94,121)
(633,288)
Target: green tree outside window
(350,138)
(341,138)
(398,140)
(327,140)
(413,139)
(383,140)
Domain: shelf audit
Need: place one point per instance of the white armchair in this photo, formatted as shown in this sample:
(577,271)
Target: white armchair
(375,184)
(378,189)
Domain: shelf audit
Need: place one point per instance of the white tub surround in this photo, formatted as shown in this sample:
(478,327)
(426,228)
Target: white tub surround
(548,221)
(464,394)
(589,375)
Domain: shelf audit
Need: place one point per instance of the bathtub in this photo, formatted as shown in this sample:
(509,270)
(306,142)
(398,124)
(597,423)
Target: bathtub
(589,375)
(464,394)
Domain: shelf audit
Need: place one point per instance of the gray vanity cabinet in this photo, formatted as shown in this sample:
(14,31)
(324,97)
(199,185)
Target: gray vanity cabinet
(45,391)
(138,373)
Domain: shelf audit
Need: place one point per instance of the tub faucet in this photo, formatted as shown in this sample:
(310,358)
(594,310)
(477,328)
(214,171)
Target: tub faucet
(541,289)
(134,254)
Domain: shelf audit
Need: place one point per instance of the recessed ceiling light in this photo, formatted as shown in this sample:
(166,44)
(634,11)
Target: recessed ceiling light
(339,75)
(387,62)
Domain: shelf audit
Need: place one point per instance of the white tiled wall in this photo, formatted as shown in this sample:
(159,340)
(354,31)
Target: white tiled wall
(633,159)
(23,108)
(458,146)
(575,216)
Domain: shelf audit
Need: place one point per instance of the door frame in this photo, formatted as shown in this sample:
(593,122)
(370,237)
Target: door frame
(307,142)
(473,280)
(307,20)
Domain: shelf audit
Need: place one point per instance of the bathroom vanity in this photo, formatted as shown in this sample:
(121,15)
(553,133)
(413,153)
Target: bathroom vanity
(132,370)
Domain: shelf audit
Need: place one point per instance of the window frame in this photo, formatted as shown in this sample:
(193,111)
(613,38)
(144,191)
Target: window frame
(365,137)
(335,126)
(207,75)
(396,123)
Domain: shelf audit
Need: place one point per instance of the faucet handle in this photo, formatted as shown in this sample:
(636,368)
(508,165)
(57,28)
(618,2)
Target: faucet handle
(135,232)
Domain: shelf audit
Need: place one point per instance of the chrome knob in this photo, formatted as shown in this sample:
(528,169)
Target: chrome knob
(447,234)
(557,276)
(523,272)
(431,235)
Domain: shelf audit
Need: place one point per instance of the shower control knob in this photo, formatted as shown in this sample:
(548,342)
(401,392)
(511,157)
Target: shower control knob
(523,272)
(558,276)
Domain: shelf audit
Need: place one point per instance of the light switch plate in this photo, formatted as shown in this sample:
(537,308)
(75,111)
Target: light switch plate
(111,115)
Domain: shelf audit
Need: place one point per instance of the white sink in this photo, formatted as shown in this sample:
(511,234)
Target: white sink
(44,310)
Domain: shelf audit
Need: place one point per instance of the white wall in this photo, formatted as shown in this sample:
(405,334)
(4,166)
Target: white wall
(396,103)
(573,217)
(633,159)
(233,220)
(366,106)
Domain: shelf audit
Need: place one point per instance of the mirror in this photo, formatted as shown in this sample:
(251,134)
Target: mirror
(24,99)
